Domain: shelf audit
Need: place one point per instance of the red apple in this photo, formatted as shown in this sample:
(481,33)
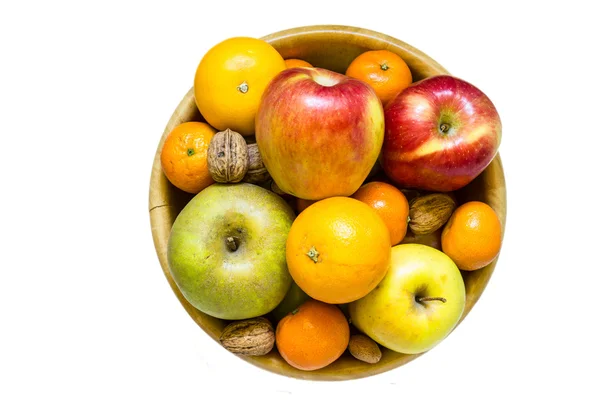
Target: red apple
(440,133)
(319,132)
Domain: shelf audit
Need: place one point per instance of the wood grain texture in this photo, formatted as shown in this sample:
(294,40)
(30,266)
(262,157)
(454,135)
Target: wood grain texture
(332,47)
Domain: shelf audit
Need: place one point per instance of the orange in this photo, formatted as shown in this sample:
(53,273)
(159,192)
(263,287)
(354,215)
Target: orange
(472,236)
(295,63)
(230,80)
(338,250)
(390,204)
(312,336)
(184,156)
(384,71)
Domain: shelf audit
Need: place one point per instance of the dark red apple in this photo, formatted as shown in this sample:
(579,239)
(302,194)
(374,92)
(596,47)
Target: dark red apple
(440,133)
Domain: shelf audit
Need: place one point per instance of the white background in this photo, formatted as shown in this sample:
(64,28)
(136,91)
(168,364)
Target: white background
(86,89)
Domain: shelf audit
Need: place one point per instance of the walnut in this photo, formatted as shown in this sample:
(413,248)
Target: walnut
(232,159)
(250,337)
(227,157)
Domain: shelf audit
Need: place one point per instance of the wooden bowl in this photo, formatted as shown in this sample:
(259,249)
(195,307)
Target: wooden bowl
(331,47)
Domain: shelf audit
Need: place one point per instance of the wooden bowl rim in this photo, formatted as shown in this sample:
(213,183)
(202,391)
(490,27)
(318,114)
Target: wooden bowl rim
(157,200)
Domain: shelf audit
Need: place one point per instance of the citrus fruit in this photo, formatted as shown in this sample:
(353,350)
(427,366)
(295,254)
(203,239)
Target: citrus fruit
(472,236)
(384,71)
(184,156)
(338,250)
(389,203)
(312,336)
(294,63)
(230,80)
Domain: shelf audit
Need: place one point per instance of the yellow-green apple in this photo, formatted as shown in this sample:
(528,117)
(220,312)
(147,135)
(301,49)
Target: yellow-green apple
(440,133)
(226,250)
(416,305)
(319,132)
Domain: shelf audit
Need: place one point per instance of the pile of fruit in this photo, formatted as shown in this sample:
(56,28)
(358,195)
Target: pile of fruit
(325,217)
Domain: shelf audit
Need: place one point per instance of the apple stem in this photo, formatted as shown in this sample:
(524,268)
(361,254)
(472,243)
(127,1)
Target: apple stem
(313,254)
(444,128)
(231,244)
(421,299)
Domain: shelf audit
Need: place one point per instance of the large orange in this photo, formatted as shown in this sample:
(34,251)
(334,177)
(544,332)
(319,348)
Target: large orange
(184,156)
(338,250)
(389,203)
(312,336)
(472,236)
(230,80)
(386,72)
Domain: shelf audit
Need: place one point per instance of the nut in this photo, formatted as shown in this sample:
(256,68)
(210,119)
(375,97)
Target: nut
(257,172)
(227,157)
(429,213)
(250,337)
(364,348)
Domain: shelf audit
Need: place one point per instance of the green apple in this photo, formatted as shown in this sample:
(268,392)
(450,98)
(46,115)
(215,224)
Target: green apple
(226,250)
(416,305)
